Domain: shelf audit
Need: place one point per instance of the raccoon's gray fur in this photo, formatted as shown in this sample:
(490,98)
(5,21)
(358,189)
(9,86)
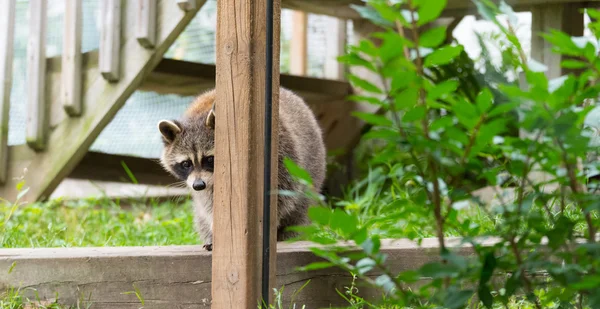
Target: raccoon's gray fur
(189,149)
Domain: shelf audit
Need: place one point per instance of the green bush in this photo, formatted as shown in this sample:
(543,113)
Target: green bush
(447,130)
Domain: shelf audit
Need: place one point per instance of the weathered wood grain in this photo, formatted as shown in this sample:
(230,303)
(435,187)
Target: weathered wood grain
(110,39)
(298,43)
(239,151)
(7,36)
(146,23)
(71,58)
(180,276)
(36,128)
(70,139)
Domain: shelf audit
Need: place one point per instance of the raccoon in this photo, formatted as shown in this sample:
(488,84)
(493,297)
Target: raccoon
(188,154)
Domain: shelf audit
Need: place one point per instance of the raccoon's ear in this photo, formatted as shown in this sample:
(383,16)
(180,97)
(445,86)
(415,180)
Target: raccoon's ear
(210,119)
(169,130)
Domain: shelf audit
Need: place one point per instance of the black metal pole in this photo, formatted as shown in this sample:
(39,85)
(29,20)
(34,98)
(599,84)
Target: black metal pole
(267,157)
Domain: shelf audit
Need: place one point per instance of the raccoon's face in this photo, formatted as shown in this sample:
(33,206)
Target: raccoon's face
(188,152)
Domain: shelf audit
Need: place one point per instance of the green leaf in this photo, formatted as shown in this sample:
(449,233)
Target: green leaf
(466,113)
(373,119)
(365,265)
(371,14)
(360,98)
(316,266)
(573,64)
(430,10)
(361,83)
(416,113)
(407,99)
(371,245)
(297,171)
(442,89)
(385,282)
(484,100)
(587,282)
(320,215)
(500,109)
(355,60)
(509,12)
(443,55)
(344,222)
(441,123)
(456,300)
(433,37)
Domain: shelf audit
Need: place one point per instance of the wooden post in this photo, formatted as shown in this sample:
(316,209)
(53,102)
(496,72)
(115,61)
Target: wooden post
(239,148)
(110,40)
(7,35)
(336,46)
(563,17)
(298,43)
(146,23)
(71,58)
(568,19)
(36,76)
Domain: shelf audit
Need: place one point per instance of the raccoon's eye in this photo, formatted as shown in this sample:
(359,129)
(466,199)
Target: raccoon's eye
(208,163)
(186,164)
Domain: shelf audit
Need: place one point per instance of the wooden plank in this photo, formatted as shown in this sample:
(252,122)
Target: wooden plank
(186,5)
(239,151)
(7,36)
(337,8)
(454,8)
(336,46)
(102,275)
(191,78)
(71,58)
(146,23)
(71,138)
(35,134)
(110,40)
(97,166)
(298,43)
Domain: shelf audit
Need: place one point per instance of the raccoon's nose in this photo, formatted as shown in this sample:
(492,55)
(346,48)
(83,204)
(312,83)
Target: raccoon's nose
(199,185)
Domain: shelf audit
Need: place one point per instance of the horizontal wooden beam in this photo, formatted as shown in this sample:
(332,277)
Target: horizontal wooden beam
(109,167)
(191,78)
(342,9)
(180,276)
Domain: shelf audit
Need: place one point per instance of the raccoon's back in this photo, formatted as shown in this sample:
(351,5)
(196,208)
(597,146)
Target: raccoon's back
(302,132)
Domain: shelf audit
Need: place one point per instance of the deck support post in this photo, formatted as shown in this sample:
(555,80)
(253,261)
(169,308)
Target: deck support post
(239,152)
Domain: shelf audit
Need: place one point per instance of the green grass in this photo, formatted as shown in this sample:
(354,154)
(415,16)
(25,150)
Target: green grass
(92,222)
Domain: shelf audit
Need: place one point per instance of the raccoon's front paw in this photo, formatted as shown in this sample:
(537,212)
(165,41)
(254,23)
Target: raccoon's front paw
(208,247)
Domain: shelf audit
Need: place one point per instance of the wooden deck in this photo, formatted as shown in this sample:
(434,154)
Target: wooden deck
(180,276)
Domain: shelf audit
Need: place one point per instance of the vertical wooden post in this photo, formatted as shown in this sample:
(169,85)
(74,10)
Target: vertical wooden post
(7,35)
(110,40)
(562,17)
(71,58)
(36,76)
(298,43)
(239,148)
(146,23)
(568,19)
(336,46)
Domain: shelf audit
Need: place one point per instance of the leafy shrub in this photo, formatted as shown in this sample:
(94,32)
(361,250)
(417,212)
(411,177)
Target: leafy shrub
(447,130)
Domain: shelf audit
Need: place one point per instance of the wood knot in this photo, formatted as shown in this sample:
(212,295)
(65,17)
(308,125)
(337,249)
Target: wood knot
(233,276)
(229,48)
